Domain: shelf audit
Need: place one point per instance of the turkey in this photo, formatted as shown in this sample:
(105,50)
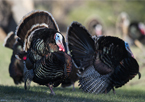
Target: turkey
(104,62)
(10,40)
(16,66)
(47,62)
(95,27)
(136,30)
(122,24)
(73,77)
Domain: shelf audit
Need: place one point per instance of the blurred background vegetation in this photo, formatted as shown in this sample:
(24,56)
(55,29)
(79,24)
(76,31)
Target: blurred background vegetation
(105,10)
(66,11)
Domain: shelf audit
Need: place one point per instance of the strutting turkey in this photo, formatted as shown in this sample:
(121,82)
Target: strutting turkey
(104,63)
(16,66)
(95,27)
(136,30)
(10,40)
(47,62)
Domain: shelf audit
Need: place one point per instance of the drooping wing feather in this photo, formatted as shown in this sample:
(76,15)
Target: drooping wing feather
(80,43)
(125,71)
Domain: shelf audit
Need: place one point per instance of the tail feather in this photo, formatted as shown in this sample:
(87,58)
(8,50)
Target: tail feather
(10,40)
(80,43)
(35,19)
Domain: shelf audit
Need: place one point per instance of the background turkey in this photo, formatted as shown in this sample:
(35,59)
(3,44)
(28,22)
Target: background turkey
(47,62)
(136,31)
(122,24)
(105,62)
(95,27)
(16,66)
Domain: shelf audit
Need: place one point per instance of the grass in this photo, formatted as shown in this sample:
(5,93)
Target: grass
(133,91)
(5,54)
(42,94)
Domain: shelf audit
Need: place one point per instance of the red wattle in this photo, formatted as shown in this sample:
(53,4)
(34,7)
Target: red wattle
(24,58)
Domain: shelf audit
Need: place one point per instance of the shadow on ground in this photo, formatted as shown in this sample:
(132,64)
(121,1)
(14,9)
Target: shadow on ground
(42,94)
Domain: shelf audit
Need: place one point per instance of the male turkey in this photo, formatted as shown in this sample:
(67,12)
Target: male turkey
(104,63)
(136,30)
(47,61)
(122,24)
(10,40)
(16,66)
(73,77)
(95,27)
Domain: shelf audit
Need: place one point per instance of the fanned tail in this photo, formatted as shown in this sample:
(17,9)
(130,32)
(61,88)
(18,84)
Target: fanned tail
(10,40)
(93,82)
(80,43)
(33,20)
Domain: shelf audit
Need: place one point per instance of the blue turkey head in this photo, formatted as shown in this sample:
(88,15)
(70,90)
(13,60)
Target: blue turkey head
(59,41)
(128,49)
